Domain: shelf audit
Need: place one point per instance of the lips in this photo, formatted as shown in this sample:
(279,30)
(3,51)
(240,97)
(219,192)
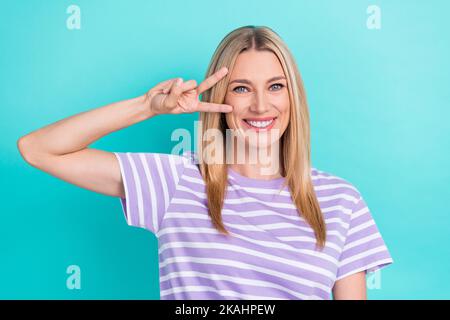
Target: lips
(260,124)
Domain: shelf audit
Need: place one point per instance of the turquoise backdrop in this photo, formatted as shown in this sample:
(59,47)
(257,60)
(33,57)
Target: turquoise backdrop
(379,103)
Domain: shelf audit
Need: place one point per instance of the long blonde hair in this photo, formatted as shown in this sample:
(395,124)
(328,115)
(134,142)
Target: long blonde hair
(294,144)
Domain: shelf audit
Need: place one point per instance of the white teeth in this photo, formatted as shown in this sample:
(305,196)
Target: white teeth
(260,124)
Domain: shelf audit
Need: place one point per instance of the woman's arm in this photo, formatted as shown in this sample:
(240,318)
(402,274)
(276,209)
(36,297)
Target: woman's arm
(352,287)
(61,148)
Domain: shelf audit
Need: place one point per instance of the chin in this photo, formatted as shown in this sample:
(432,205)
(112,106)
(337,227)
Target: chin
(262,139)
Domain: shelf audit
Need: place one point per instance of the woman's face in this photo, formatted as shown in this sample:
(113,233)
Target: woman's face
(259,95)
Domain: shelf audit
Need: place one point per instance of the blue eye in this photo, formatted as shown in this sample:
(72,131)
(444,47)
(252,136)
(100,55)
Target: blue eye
(278,84)
(238,88)
(242,87)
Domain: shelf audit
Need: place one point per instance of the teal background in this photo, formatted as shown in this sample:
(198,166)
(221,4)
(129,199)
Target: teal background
(379,103)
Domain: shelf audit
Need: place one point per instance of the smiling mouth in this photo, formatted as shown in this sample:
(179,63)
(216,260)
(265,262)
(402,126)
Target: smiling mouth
(265,124)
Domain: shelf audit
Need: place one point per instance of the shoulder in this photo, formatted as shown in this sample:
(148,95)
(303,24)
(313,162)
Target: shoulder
(190,157)
(184,159)
(335,186)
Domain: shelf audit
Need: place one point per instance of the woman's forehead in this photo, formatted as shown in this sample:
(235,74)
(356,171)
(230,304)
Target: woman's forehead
(257,65)
(257,60)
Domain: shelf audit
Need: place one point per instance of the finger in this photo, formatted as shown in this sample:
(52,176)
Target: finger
(166,85)
(169,85)
(189,85)
(214,107)
(175,91)
(212,80)
(163,85)
(185,86)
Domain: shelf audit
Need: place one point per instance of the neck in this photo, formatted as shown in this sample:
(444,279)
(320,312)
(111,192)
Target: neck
(259,162)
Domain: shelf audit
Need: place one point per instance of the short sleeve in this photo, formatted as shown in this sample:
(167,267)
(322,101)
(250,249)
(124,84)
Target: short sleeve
(149,181)
(364,248)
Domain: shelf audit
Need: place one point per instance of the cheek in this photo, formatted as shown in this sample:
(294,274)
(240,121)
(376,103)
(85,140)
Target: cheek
(286,116)
(239,107)
(283,105)
(238,102)
(282,101)
(232,117)
(229,120)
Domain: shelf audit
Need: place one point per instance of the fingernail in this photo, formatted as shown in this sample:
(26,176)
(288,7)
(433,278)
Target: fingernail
(179,81)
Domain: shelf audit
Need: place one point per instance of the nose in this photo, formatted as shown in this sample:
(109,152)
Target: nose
(260,103)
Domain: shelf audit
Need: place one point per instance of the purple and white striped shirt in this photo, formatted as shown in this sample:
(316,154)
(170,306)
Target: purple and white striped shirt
(271,253)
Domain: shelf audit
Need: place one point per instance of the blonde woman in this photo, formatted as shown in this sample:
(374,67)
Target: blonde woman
(228,229)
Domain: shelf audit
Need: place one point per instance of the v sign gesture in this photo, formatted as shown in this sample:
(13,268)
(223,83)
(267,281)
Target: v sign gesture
(175,96)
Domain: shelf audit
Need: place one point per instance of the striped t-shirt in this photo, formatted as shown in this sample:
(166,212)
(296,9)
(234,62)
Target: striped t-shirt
(271,252)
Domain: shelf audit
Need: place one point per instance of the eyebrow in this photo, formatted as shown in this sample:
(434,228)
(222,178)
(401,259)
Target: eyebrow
(249,82)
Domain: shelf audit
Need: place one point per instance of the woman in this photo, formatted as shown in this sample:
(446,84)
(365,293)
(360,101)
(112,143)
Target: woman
(227,229)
